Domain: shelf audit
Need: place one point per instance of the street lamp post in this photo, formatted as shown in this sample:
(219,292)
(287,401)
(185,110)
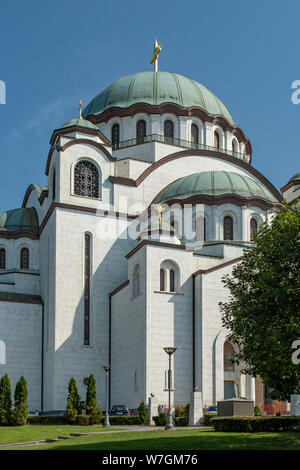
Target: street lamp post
(169,423)
(106,421)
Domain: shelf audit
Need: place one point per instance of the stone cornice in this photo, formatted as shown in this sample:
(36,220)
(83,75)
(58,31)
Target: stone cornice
(82,130)
(217,267)
(197,153)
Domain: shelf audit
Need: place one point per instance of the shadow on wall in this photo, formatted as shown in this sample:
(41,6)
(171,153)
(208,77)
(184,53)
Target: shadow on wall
(72,358)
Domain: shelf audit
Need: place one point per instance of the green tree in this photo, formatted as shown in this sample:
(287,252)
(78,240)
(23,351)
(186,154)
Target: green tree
(143,413)
(263,311)
(73,401)
(20,413)
(5,400)
(92,409)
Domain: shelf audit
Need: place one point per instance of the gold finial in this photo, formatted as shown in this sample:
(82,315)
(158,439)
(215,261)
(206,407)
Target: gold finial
(80,107)
(154,58)
(160,211)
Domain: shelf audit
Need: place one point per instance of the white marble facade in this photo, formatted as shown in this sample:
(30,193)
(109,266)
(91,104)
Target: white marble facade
(130,318)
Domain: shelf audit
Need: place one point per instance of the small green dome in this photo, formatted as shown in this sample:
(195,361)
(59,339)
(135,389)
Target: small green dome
(155,88)
(16,220)
(79,122)
(296,177)
(214,183)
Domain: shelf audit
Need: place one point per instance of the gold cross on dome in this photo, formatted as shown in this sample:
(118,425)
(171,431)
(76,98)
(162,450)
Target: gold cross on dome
(160,211)
(154,58)
(80,107)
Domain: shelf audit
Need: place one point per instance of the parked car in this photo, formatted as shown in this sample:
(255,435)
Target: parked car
(120,410)
(212,410)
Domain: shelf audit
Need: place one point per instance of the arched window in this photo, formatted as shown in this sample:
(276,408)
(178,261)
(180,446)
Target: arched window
(172,280)
(228,228)
(24,258)
(253,228)
(136,281)
(140,130)
(2,258)
(86,179)
(216,140)
(195,134)
(169,277)
(162,279)
(234,146)
(228,357)
(115,135)
(169,128)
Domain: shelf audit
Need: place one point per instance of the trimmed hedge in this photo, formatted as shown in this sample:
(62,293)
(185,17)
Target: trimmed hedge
(47,420)
(179,421)
(257,424)
(126,420)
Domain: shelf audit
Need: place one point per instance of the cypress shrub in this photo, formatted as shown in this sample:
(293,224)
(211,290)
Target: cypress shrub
(73,401)
(5,400)
(94,412)
(143,414)
(20,413)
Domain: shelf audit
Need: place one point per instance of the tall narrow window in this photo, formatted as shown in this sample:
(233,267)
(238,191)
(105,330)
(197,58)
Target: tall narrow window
(169,128)
(115,135)
(86,179)
(2,258)
(53,185)
(162,280)
(24,258)
(195,134)
(234,146)
(136,281)
(172,280)
(140,130)
(216,140)
(228,228)
(87,287)
(253,228)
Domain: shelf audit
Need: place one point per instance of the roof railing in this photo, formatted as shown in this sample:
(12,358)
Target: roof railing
(178,142)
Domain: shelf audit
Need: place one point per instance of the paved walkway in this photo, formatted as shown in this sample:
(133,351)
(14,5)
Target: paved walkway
(80,434)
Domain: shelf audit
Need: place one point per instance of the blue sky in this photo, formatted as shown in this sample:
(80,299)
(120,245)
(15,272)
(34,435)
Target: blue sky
(55,53)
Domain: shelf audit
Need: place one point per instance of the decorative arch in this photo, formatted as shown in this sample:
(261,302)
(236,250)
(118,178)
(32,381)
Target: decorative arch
(87,179)
(169,276)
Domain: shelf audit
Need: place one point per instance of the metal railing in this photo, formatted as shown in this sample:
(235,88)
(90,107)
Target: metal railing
(178,142)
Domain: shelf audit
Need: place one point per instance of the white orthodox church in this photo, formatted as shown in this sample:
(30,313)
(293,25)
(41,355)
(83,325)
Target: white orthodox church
(91,276)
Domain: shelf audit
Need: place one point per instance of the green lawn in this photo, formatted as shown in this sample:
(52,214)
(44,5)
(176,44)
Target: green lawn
(12,434)
(177,440)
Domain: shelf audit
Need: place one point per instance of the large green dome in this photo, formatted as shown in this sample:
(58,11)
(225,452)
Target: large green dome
(214,183)
(155,88)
